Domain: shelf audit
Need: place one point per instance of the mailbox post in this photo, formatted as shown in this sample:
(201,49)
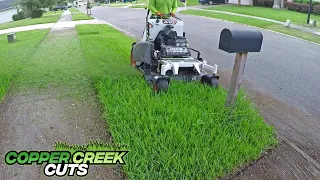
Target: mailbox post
(240,42)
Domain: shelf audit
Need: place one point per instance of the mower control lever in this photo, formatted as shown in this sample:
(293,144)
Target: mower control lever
(167,15)
(199,54)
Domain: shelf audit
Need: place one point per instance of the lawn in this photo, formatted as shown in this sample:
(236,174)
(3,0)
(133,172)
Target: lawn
(25,22)
(54,12)
(76,16)
(74,10)
(189,3)
(183,134)
(270,13)
(258,23)
(139,6)
(14,56)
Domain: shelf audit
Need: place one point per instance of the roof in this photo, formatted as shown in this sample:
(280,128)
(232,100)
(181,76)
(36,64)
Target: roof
(4,4)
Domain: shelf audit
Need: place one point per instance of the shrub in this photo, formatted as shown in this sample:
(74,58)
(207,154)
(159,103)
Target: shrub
(19,16)
(316,9)
(263,3)
(306,2)
(303,8)
(36,13)
(15,17)
(22,15)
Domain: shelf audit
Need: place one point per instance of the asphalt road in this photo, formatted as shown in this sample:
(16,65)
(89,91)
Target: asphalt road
(6,15)
(287,68)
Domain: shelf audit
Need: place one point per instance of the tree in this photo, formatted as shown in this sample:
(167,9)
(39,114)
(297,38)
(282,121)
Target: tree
(239,2)
(29,6)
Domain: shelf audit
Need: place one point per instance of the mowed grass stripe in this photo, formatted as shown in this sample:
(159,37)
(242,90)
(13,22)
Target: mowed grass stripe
(13,56)
(183,134)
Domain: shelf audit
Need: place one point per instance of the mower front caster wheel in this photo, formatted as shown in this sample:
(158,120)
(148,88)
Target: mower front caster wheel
(161,85)
(210,81)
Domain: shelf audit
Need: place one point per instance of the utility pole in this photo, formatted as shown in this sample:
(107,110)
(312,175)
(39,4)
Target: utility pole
(309,12)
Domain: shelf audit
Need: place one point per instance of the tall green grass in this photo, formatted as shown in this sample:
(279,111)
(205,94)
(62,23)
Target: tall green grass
(183,134)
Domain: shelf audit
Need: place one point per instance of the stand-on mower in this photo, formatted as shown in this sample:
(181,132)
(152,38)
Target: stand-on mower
(164,54)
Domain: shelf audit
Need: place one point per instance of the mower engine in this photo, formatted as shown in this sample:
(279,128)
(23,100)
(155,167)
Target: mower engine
(169,45)
(164,54)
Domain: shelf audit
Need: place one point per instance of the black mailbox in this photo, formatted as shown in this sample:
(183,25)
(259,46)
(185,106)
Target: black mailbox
(237,41)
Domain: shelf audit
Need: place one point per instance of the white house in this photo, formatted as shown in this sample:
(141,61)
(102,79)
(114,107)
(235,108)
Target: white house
(243,2)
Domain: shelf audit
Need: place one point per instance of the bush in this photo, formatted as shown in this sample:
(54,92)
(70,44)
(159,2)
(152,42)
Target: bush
(263,3)
(15,17)
(36,13)
(307,2)
(22,15)
(316,9)
(303,8)
(19,16)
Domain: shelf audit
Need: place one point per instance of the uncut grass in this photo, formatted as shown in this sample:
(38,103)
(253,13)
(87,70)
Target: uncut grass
(183,134)
(15,55)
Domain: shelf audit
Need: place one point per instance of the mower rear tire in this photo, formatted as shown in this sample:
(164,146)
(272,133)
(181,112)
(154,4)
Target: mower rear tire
(210,81)
(214,82)
(161,85)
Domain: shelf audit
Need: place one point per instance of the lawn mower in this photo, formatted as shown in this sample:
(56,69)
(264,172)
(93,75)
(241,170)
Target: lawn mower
(164,54)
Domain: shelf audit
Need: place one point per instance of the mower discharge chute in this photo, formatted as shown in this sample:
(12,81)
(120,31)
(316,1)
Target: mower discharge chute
(164,54)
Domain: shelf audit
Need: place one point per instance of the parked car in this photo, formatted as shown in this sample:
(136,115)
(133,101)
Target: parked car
(211,2)
(58,8)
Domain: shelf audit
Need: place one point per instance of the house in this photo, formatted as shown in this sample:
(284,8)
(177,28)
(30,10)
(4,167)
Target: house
(277,3)
(7,10)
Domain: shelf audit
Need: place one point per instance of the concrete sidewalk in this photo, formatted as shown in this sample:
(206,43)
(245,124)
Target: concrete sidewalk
(65,21)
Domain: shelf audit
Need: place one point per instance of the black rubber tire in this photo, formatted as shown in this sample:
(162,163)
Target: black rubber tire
(210,81)
(205,79)
(213,82)
(203,4)
(161,85)
(210,3)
